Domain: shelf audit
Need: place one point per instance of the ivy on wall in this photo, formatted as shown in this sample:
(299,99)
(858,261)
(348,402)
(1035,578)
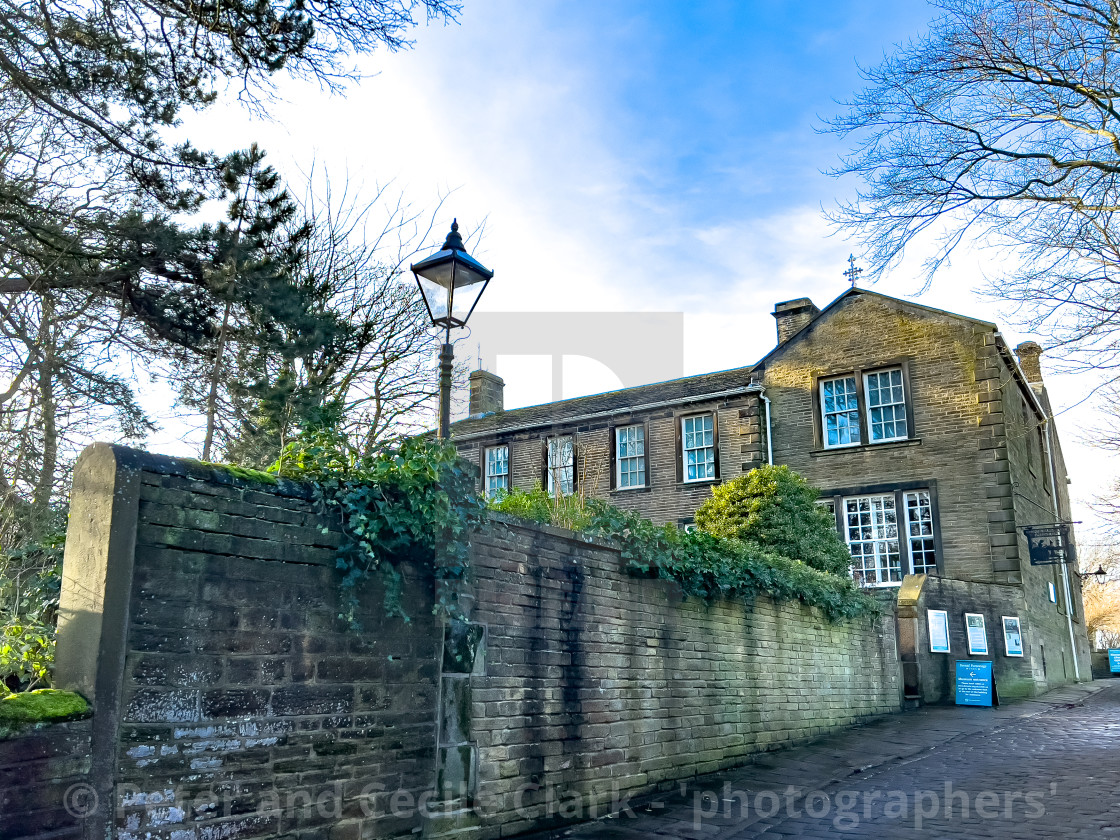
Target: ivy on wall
(412,502)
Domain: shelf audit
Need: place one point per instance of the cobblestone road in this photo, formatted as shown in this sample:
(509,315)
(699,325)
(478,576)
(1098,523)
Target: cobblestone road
(1048,768)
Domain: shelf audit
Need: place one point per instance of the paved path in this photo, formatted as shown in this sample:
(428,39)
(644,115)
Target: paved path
(1044,768)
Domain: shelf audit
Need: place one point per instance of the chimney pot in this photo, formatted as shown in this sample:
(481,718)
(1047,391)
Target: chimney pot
(1028,353)
(487,393)
(793,316)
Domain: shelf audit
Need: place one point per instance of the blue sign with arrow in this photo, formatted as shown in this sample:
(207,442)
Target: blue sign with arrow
(974,682)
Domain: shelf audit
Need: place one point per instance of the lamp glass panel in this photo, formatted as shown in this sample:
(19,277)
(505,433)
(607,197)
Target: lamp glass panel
(436,296)
(466,296)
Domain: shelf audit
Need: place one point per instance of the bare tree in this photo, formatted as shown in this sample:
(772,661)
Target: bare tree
(1001,126)
(375,378)
(1101,596)
(64,384)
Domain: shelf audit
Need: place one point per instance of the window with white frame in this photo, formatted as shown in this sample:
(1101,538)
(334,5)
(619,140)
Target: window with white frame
(497,469)
(561,468)
(840,411)
(919,532)
(889,535)
(886,404)
(630,456)
(698,449)
(829,505)
(871,531)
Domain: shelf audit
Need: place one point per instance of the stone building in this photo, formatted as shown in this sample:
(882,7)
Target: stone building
(932,442)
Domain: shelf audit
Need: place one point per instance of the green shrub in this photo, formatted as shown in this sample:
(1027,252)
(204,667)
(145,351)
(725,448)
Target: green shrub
(26,653)
(570,511)
(775,508)
(30,582)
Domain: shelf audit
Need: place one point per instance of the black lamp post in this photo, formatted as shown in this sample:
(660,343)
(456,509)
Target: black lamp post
(451,281)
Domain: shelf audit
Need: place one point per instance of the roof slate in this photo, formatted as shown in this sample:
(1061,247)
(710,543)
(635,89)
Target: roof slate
(685,389)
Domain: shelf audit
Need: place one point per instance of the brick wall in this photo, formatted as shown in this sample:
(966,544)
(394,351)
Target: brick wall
(43,771)
(247,708)
(597,683)
(230,700)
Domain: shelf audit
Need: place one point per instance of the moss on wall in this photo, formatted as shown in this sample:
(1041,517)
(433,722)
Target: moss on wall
(244,473)
(45,705)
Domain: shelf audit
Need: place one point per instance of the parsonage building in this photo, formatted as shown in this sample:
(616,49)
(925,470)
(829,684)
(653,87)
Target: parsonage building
(930,439)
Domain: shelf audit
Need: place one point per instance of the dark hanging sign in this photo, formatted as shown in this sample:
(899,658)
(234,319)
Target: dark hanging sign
(1049,545)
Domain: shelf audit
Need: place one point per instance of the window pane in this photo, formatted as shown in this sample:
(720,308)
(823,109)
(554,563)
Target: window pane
(698,439)
(630,456)
(497,469)
(886,405)
(840,411)
(919,528)
(561,465)
(872,537)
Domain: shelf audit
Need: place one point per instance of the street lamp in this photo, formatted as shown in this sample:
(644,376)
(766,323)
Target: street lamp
(1100,574)
(451,282)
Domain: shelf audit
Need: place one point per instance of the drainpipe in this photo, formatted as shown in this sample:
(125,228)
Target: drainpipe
(1065,566)
(769,445)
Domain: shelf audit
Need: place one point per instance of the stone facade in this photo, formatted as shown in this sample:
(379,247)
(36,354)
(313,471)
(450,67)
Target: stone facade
(980,444)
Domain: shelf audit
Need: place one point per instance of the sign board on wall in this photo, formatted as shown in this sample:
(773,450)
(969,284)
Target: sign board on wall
(974,682)
(1114,661)
(977,635)
(1049,545)
(938,631)
(1012,636)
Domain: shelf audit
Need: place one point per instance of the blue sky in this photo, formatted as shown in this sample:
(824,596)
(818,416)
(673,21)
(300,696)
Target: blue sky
(631,156)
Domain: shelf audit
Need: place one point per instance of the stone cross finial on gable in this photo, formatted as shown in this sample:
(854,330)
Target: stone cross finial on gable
(852,273)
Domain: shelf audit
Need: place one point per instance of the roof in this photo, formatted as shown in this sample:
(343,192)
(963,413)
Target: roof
(685,389)
(857,292)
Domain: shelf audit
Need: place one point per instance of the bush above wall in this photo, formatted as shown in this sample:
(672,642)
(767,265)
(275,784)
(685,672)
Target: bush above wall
(704,564)
(776,509)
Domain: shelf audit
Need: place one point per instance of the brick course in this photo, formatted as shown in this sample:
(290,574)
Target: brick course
(37,768)
(599,684)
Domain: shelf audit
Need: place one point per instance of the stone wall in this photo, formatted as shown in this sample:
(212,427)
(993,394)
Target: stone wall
(1030,497)
(597,684)
(200,614)
(43,782)
(1016,676)
(1101,668)
(229,698)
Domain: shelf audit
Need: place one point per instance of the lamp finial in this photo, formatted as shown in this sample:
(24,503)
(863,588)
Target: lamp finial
(454,241)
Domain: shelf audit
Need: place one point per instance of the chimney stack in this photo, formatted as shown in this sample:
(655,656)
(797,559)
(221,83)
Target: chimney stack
(1028,353)
(487,393)
(793,316)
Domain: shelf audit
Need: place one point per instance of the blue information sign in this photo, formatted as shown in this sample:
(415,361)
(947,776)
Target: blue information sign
(974,682)
(1114,661)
